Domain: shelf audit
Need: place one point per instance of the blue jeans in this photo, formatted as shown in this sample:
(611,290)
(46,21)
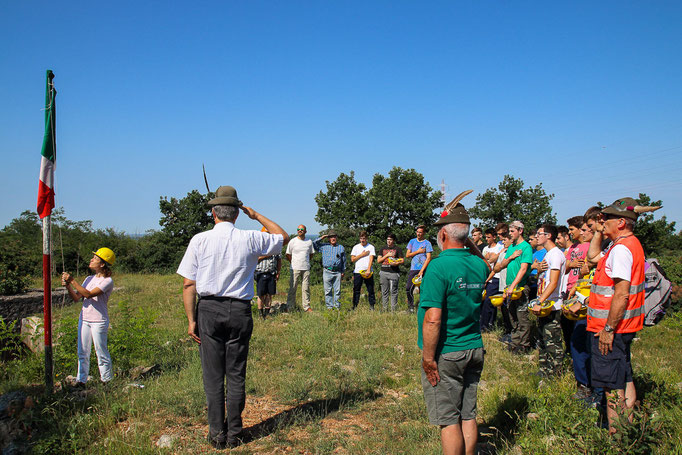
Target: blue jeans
(89,333)
(332,288)
(580,351)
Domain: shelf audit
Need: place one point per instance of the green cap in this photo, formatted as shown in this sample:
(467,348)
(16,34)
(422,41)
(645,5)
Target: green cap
(457,214)
(623,208)
(225,195)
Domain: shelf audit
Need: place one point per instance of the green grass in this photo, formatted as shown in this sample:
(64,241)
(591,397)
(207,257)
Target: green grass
(326,382)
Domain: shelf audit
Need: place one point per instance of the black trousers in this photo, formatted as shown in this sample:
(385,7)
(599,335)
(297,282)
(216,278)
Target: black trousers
(488,311)
(357,286)
(409,286)
(225,327)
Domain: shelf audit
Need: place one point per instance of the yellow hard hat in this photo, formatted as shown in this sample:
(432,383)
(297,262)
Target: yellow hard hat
(580,314)
(517,293)
(366,273)
(496,300)
(417,280)
(546,307)
(106,255)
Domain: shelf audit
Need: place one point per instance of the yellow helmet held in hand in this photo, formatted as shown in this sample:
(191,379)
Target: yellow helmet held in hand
(417,280)
(366,273)
(106,255)
(546,307)
(497,300)
(517,293)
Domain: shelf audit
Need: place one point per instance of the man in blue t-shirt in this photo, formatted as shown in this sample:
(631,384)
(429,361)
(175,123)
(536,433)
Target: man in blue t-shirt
(419,250)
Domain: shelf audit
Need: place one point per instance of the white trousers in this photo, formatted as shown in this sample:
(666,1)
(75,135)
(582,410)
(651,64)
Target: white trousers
(89,333)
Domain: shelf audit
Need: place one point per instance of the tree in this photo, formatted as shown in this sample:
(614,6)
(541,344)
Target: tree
(344,204)
(181,220)
(511,201)
(656,236)
(395,203)
(399,203)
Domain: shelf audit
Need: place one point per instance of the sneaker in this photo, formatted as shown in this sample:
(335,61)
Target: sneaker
(309,310)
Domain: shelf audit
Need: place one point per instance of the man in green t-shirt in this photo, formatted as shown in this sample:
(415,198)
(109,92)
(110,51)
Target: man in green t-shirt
(517,261)
(450,335)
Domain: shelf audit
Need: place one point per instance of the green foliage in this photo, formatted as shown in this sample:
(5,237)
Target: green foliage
(395,203)
(511,201)
(132,338)
(12,282)
(10,340)
(399,203)
(658,235)
(181,219)
(344,204)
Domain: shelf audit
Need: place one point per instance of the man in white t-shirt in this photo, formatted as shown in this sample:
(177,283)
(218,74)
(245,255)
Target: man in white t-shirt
(299,253)
(491,253)
(362,255)
(549,289)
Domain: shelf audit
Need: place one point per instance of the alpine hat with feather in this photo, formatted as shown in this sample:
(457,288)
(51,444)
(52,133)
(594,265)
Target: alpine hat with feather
(454,212)
(627,208)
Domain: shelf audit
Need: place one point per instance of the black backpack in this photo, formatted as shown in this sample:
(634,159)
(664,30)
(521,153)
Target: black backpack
(657,294)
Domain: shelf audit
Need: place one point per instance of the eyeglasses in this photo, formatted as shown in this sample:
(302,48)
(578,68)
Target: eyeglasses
(538,234)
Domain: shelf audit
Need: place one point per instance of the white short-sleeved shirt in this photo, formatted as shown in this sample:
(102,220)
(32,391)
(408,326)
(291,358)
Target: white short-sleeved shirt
(95,308)
(222,260)
(300,251)
(619,263)
(362,264)
(503,273)
(556,260)
(495,250)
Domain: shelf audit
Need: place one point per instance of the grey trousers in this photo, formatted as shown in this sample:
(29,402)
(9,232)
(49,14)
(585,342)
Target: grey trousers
(225,327)
(389,288)
(518,311)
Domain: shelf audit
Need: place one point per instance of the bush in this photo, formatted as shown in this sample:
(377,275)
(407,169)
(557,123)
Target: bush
(10,340)
(12,282)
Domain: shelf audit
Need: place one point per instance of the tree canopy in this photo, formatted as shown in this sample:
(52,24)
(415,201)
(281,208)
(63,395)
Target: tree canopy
(511,201)
(395,203)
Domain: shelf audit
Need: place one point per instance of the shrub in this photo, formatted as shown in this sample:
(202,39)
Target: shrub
(12,282)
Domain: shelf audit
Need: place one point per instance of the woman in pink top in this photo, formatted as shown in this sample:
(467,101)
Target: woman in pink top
(93,322)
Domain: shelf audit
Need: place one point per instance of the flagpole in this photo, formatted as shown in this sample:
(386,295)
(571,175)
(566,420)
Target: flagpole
(47,303)
(45,206)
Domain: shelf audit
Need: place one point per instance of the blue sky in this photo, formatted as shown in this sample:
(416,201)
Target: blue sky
(278,97)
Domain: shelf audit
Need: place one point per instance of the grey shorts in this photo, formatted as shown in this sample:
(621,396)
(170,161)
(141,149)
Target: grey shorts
(454,398)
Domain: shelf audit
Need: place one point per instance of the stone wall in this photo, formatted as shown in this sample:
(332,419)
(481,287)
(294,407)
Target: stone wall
(17,307)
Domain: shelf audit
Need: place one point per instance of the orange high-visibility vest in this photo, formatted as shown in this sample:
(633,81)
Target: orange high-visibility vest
(603,288)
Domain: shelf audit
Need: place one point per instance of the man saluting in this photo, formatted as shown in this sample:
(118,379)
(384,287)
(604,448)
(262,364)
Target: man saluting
(218,266)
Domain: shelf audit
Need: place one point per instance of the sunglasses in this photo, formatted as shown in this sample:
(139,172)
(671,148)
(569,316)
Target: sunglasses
(303,230)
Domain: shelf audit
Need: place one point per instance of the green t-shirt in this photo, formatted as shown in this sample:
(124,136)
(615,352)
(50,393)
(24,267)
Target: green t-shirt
(454,282)
(515,265)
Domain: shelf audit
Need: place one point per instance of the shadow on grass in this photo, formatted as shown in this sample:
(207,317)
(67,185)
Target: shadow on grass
(306,412)
(656,393)
(502,428)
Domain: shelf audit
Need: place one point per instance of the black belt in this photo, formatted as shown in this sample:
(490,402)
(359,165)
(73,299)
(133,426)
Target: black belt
(223,299)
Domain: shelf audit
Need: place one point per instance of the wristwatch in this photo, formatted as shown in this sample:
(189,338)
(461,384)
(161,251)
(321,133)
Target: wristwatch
(608,328)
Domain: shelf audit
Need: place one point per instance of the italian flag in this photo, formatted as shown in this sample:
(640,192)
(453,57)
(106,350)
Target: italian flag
(48,153)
